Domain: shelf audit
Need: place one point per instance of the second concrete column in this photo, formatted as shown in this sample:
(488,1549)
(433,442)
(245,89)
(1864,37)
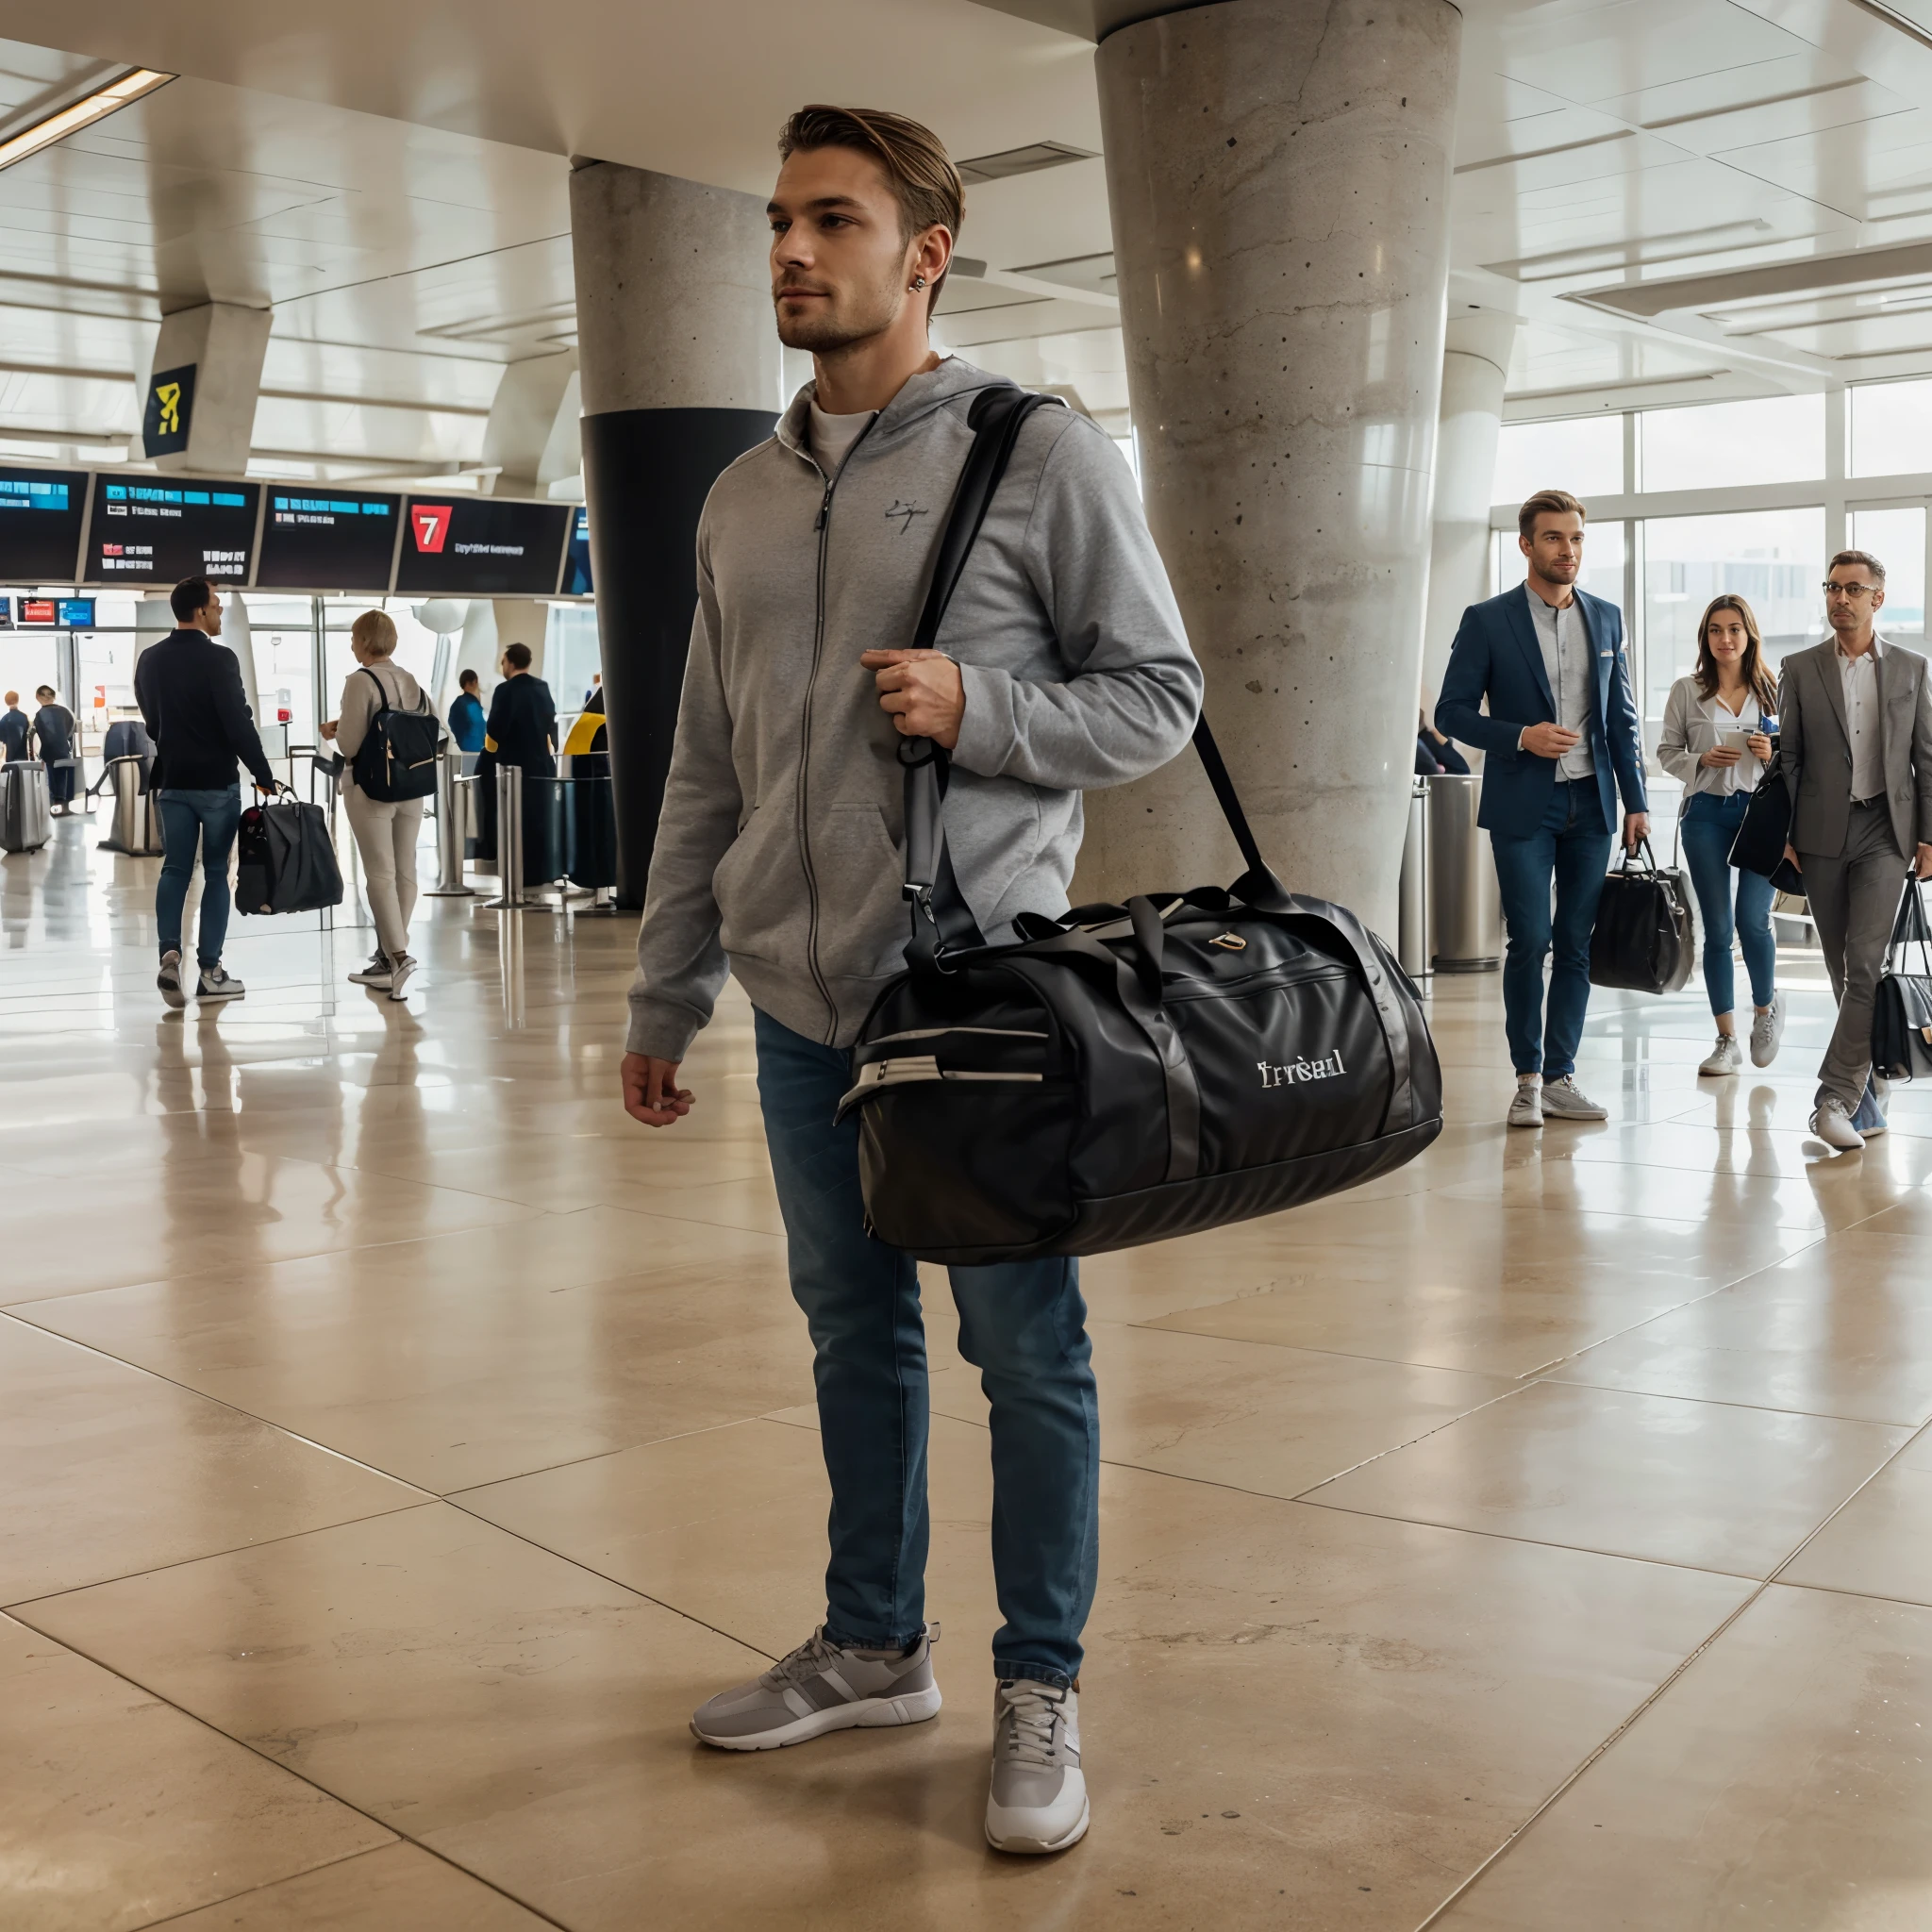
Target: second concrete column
(1279,177)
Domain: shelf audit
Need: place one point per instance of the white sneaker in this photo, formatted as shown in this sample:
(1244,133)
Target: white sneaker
(1767,1031)
(1833,1126)
(1564,1100)
(1038,1799)
(399,974)
(1726,1057)
(169,980)
(216,985)
(1526,1108)
(376,974)
(820,1688)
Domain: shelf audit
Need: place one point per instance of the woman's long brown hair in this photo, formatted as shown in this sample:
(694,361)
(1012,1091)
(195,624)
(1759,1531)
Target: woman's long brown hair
(1757,680)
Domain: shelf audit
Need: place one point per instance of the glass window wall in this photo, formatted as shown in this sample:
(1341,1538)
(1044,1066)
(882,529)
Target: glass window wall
(1583,454)
(1896,537)
(1892,428)
(1721,446)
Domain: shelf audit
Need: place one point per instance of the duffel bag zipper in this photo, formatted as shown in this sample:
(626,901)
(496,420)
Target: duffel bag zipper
(917,1070)
(940,1032)
(1243,989)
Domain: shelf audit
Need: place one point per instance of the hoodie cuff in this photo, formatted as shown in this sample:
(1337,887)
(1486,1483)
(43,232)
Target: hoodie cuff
(662,1032)
(989,732)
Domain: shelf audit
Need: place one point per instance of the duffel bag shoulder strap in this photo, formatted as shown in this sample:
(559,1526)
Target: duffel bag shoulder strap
(1910,928)
(1259,888)
(942,920)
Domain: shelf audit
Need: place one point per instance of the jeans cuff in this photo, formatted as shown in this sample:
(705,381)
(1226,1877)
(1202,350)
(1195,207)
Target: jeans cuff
(846,1640)
(1037,1674)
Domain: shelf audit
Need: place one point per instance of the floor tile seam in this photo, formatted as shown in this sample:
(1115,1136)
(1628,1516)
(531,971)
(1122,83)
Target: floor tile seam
(1346,1354)
(266,1885)
(1508,1395)
(1630,1719)
(396,1833)
(1912,1425)
(220,1401)
(497,1482)
(1870,1597)
(1804,1542)
(267,1543)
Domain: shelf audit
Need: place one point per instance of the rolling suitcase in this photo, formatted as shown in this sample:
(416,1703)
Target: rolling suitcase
(26,818)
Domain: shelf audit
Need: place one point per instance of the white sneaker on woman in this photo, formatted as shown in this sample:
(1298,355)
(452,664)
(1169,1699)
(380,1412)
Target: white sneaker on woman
(1726,1057)
(1767,1030)
(400,970)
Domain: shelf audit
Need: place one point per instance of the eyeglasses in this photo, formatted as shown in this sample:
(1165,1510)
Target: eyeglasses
(1848,589)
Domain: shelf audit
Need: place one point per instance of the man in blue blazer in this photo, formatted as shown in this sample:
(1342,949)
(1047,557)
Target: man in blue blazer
(1561,719)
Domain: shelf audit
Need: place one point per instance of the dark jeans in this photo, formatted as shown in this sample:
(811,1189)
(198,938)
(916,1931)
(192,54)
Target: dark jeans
(210,818)
(1022,1325)
(1710,823)
(1572,847)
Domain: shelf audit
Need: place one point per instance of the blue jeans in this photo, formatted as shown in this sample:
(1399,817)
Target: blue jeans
(1572,846)
(209,817)
(1022,1325)
(1710,823)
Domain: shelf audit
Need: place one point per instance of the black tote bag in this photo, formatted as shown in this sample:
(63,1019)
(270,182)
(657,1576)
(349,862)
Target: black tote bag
(1128,1073)
(1902,1010)
(285,861)
(1766,830)
(1645,939)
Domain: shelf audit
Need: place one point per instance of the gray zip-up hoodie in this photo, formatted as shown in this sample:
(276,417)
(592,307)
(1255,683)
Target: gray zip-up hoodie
(778,850)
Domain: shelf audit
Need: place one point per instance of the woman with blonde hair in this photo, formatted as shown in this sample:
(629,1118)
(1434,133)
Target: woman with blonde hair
(1715,740)
(385,829)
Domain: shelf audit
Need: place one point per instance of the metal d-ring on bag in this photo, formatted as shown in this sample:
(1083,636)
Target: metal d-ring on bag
(1126,1073)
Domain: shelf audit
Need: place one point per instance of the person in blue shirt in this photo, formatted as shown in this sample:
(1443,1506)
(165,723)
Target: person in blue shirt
(466,715)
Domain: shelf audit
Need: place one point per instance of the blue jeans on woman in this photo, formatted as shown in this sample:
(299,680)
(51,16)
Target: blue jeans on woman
(1709,824)
(188,816)
(1021,1324)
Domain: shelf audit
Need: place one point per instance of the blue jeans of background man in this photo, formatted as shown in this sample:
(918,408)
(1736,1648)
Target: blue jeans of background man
(1022,1325)
(210,818)
(1710,823)
(1572,847)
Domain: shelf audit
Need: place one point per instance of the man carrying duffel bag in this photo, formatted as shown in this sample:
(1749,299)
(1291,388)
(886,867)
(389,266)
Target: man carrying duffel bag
(777,859)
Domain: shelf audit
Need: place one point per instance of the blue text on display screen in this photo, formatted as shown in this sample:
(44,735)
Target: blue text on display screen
(158,533)
(319,539)
(39,525)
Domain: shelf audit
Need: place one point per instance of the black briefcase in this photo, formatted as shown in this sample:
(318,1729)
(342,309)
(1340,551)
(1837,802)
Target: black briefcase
(1766,830)
(285,861)
(1126,1073)
(1645,939)
(1902,1010)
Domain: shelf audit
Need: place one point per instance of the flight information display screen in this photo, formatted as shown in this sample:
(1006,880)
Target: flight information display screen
(39,525)
(317,539)
(576,559)
(157,532)
(481,547)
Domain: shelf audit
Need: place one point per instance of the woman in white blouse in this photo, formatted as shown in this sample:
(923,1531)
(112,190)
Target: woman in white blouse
(1714,738)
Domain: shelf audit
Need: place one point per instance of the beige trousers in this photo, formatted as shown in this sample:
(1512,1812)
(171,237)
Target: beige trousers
(386,833)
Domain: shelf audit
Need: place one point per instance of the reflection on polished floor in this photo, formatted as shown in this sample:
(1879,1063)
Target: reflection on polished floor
(396,1443)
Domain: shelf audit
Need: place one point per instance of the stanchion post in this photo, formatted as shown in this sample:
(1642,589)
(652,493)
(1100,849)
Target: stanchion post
(509,839)
(449,829)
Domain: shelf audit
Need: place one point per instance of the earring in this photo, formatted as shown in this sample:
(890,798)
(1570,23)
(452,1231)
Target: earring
(919,281)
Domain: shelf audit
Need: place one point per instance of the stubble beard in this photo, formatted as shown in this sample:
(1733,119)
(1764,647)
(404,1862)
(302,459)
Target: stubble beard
(841,322)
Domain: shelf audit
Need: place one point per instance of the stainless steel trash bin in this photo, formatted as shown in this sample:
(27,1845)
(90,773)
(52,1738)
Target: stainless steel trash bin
(133,829)
(1468,907)
(1415,918)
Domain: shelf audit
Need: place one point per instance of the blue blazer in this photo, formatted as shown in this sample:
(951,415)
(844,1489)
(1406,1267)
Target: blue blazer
(1496,656)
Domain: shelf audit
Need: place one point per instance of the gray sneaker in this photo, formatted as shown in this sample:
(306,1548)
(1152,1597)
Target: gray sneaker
(169,980)
(1527,1107)
(376,974)
(1767,1031)
(1038,1798)
(1726,1057)
(214,984)
(1564,1100)
(823,1688)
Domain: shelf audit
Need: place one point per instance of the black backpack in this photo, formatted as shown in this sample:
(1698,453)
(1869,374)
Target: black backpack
(397,760)
(1126,1073)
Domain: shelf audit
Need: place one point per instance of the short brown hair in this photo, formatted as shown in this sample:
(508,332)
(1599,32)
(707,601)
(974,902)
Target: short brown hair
(1544,503)
(1858,557)
(923,180)
(517,657)
(374,630)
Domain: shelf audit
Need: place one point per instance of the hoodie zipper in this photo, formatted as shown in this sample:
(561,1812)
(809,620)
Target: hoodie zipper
(804,789)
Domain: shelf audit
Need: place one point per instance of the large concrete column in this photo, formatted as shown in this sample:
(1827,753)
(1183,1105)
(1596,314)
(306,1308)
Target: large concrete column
(679,367)
(198,406)
(1279,179)
(1475,362)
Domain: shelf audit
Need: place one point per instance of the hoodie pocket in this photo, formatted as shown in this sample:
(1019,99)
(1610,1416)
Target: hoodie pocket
(860,874)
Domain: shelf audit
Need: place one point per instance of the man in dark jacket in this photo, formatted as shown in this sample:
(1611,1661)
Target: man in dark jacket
(521,731)
(189,689)
(14,726)
(54,734)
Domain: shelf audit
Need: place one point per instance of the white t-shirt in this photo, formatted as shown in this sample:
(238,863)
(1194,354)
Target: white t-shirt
(832,436)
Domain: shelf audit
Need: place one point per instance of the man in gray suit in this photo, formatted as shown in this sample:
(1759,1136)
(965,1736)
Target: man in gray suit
(1855,742)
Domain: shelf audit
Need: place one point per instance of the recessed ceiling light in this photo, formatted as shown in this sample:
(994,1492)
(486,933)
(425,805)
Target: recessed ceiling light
(84,112)
(1022,160)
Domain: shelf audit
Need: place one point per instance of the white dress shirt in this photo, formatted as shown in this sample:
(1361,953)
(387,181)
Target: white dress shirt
(1859,678)
(1565,645)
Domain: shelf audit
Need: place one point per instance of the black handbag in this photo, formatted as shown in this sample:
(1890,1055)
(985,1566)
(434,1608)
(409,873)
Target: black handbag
(397,759)
(1902,1010)
(1123,1073)
(285,861)
(1766,830)
(1645,939)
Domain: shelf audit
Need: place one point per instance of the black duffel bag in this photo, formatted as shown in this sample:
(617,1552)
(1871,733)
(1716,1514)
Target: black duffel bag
(1902,1010)
(1126,1073)
(1765,830)
(285,861)
(1645,939)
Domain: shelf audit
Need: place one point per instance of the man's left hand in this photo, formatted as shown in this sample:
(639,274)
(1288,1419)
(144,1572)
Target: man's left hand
(923,691)
(1635,829)
(1924,860)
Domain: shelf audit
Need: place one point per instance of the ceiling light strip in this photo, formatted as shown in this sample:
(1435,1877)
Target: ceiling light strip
(84,112)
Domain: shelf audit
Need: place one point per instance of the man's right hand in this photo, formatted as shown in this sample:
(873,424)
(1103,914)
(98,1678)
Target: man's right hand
(1792,857)
(1548,741)
(651,1092)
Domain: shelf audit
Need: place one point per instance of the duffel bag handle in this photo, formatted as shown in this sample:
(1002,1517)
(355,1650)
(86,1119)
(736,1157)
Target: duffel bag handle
(1910,928)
